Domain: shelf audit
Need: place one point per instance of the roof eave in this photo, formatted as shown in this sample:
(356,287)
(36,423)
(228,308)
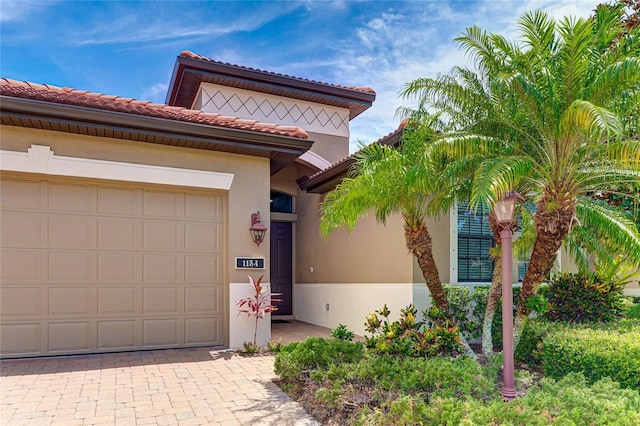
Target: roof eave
(280,149)
(186,68)
(327,179)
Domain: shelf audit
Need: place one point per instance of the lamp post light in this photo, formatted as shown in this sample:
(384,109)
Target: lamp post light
(504,211)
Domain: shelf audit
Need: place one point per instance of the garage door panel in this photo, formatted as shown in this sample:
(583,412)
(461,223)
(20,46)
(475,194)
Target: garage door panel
(159,332)
(20,229)
(157,300)
(116,301)
(76,266)
(20,265)
(198,206)
(119,335)
(161,235)
(209,300)
(160,204)
(65,197)
(93,267)
(20,194)
(119,267)
(71,301)
(123,234)
(160,267)
(203,268)
(117,201)
(72,231)
(70,336)
(20,339)
(203,330)
(203,237)
(20,302)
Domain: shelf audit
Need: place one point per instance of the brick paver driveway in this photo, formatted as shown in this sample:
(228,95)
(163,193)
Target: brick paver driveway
(163,387)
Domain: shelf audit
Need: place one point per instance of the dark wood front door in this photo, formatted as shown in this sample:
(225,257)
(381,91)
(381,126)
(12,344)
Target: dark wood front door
(281,270)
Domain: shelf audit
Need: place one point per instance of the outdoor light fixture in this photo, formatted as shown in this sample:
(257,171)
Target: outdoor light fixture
(505,214)
(257,228)
(505,208)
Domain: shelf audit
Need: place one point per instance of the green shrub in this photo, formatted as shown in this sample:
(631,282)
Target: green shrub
(631,307)
(313,353)
(530,346)
(570,401)
(633,312)
(433,377)
(595,352)
(463,312)
(583,297)
(409,337)
(341,332)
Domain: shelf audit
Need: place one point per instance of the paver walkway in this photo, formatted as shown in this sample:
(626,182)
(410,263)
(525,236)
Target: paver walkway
(163,387)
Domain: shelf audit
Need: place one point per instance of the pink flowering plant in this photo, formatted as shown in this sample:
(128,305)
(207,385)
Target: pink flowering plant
(258,305)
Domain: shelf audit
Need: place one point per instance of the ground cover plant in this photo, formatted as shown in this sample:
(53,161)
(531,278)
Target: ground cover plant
(339,383)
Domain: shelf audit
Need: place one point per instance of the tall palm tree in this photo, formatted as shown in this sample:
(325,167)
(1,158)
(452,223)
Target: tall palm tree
(386,180)
(560,113)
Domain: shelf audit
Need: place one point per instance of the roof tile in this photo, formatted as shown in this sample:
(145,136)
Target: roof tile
(190,54)
(83,98)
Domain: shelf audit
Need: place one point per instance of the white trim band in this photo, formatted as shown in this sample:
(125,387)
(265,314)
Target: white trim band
(41,159)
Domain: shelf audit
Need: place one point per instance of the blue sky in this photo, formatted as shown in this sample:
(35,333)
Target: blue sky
(129,48)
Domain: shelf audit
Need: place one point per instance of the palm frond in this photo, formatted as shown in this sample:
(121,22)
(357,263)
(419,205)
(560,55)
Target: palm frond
(497,176)
(611,224)
(594,121)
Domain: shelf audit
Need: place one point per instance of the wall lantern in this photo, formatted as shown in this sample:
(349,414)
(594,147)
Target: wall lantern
(505,213)
(257,228)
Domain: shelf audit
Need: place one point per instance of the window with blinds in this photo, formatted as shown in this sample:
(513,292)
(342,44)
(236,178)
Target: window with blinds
(474,241)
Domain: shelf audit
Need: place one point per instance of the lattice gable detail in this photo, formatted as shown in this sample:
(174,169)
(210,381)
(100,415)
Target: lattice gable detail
(274,109)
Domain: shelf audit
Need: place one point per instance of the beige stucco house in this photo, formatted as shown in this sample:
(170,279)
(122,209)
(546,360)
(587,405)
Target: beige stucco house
(125,223)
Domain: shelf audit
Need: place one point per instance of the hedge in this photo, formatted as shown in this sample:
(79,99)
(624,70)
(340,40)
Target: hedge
(596,352)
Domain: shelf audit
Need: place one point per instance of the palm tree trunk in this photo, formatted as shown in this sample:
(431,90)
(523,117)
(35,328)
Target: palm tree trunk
(492,306)
(419,244)
(552,227)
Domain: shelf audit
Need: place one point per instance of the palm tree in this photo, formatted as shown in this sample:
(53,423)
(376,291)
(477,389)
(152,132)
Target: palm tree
(558,116)
(386,180)
(405,180)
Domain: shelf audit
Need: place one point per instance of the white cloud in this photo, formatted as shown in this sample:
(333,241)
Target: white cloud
(399,46)
(155,93)
(21,10)
(163,24)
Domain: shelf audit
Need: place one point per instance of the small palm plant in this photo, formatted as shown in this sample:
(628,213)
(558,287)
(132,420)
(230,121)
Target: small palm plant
(258,305)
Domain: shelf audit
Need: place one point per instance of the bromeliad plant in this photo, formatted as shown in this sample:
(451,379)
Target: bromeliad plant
(257,306)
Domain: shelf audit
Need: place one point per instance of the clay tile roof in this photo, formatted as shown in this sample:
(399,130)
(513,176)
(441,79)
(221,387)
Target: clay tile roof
(82,98)
(190,54)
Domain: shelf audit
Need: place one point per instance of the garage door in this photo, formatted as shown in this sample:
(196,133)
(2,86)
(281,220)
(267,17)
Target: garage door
(95,267)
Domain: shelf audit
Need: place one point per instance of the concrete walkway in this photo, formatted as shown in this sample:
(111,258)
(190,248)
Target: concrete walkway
(196,386)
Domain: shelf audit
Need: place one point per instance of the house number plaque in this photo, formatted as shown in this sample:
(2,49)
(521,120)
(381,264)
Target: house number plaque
(249,262)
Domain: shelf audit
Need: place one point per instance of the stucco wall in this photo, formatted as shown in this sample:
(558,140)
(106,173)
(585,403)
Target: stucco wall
(285,181)
(371,253)
(331,148)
